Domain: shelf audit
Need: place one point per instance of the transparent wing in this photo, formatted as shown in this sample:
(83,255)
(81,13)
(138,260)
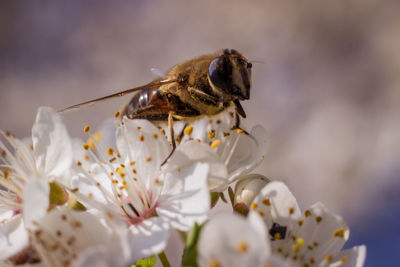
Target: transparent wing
(122,93)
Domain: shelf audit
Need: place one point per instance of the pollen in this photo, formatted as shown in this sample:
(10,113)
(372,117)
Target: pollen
(120,170)
(307,213)
(239,131)
(188,130)
(261,212)
(148,159)
(6,173)
(226,134)
(328,258)
(277,236)
(110,151)
(116,114)
(85,146)
(86,157)
(318,219)
(179,169)
(155,136)
(300,241)
(295,248)
(141,138)
(114,181)
(291,210)
(132,163)
(211,134)
(162,131)
(79,163)
(267,202)
(343,260)
(156,181)
(253,206)
(86,128)
(339,233)
(242,247)
(215,143)
(214,263)
(197,140)
(134,171)
(300,222)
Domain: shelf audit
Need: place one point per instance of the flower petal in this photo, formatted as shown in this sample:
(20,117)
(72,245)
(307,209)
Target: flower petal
(13,237)
(186,198)
(36,200)
(51,143)
(149,237)
(230,240)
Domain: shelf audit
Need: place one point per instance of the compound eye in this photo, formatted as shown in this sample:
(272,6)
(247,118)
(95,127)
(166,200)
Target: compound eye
(220,72)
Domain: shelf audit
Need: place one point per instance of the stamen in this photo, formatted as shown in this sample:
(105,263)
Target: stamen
(339,233)
(85,146)
(148,159)
(116,114)
(253,206)
(86,128)
(307,213)
(242,247)
(155,136)
(110,151)
(291,210)
(211,134)
(215,143)
(188,130)
(318,219)
(141,138)
(239,131)
(328,258)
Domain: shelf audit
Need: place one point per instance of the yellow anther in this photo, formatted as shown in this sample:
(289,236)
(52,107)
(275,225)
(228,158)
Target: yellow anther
(114,181)
(300,222)
(79,163)
(239,131)
(307,213)
(155,136)
(214,263)
(318,219)
(188,130)
(162,131)
(291,210)
(134,171)
(253,206)
(300,241)
(328,258)
(85,146)
(277,236)
(343,260)
(339,233)
(215,143)
(141,138)
(261,212)
(211,134)
(86,129)
(197,140)
(110,151)
(242,247)
(148,159)
(179,169)
(295,248)
(116,114)
(6,173)
(120,170)
(132,163)
(156,181)
(267,202)
(139,128)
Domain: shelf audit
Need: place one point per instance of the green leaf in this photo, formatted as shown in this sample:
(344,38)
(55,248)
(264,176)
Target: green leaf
(190,251)
(58,195)
(231,195)
(214,198)
(148,262)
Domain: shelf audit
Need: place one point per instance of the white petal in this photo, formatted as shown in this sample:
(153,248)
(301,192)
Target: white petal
(51,143)
(353,257)
(248,154)
(136,142)
(248,188)
(276,204)
(13,237)
(186,198)
(36,200)
(149,237)
(231,240)
(192,152)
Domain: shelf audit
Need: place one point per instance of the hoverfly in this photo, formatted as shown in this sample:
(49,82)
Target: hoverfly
(202,86)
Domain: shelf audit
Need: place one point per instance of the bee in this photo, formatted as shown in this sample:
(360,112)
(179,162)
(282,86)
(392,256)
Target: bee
(202,86)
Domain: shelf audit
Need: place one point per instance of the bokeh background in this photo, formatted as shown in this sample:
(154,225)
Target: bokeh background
(327,91)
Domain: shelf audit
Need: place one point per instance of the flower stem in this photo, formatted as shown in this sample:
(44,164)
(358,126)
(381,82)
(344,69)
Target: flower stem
(164,260)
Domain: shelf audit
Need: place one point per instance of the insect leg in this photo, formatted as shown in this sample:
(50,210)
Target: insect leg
(203,95)
(237,124)
(172,135)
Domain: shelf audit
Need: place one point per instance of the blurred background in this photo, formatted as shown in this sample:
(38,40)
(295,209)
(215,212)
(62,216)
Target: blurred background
(327,91)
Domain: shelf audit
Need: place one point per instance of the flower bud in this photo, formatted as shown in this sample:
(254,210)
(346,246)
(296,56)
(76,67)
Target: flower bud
(248,188)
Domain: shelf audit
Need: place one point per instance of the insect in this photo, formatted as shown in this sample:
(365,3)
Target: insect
(202,86)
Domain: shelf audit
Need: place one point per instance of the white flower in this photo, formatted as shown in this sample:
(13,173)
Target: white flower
(232,240)
(224,147)
(128,183)
(72,238)
(26,172)
(315,236)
